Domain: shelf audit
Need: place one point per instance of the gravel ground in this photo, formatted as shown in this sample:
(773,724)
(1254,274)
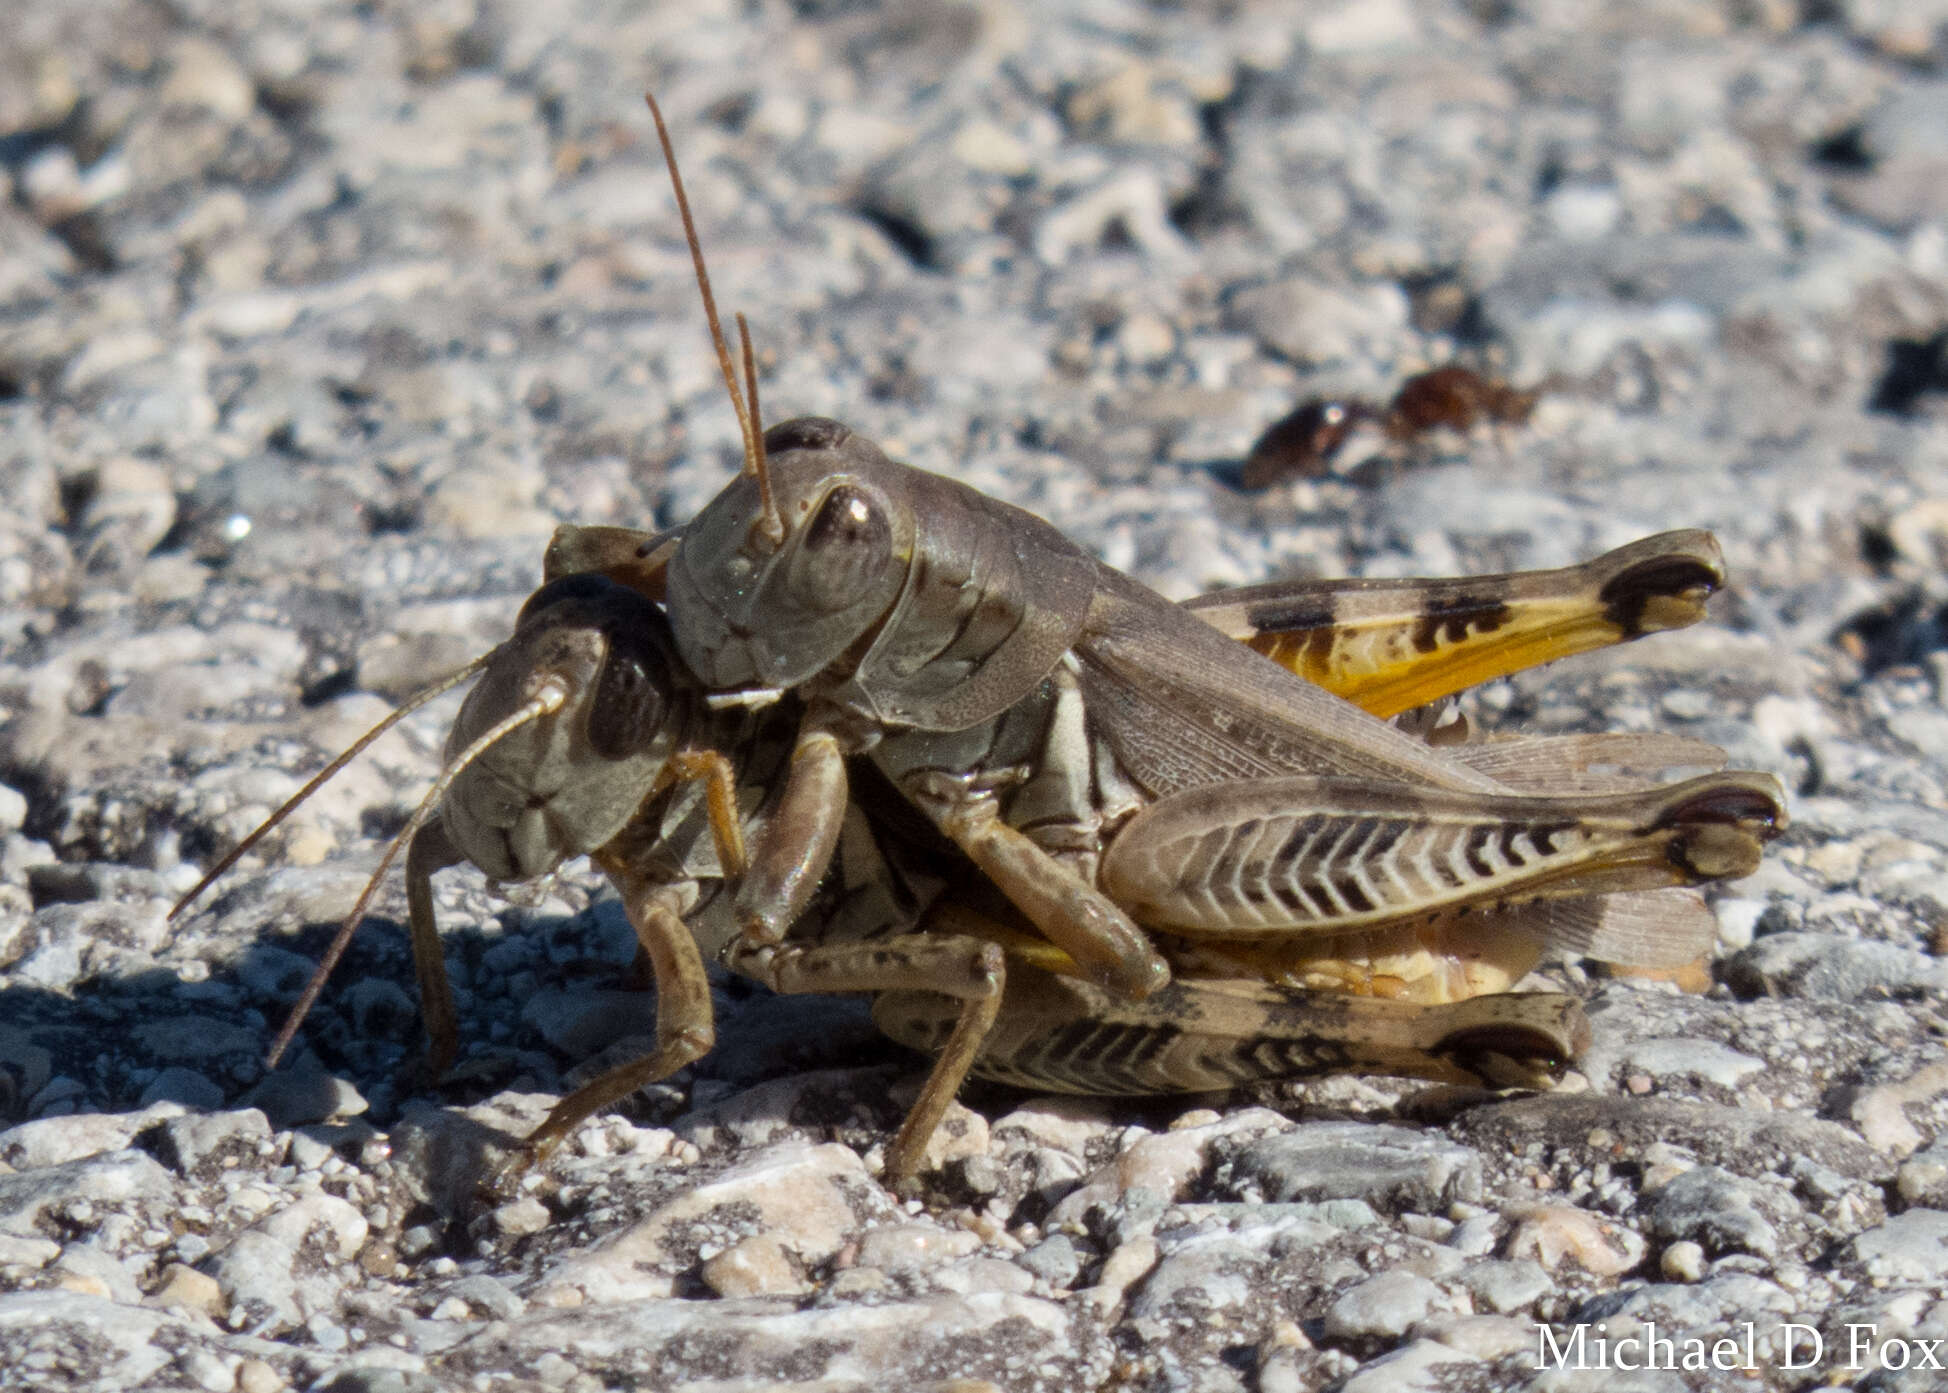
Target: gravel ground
(315,318)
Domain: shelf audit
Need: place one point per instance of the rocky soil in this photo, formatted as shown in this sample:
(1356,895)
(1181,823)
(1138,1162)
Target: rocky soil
(316,318)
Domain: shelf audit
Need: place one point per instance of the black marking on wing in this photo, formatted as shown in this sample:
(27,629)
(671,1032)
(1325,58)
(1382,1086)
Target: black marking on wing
(1451,615)
(1307,615)
(1625,596)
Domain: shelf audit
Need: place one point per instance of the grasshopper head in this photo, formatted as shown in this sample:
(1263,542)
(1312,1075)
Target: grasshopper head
(772,598)
(564,783)
(793,563)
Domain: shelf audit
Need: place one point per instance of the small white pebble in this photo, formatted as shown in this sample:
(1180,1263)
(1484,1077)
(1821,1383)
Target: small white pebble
(1683,1261)
(755,1266)
(518,1218)
(255,1376)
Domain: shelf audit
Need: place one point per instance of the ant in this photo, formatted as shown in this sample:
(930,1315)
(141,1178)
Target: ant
(1303,444)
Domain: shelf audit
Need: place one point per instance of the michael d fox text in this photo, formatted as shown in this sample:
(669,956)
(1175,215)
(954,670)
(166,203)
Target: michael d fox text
(1788,1345)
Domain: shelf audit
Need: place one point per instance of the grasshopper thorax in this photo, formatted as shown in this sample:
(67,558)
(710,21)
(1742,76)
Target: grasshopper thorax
(564,784)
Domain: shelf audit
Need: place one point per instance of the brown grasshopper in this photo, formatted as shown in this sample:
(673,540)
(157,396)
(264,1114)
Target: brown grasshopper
(1039,721)
(585,735)
(1113,764)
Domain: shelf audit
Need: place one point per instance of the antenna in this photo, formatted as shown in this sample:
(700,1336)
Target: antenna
(549,695)
(770,522)
(291,804)
(774,525)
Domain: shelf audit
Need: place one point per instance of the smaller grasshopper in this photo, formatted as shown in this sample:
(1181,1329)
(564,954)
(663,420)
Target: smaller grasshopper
(585,735)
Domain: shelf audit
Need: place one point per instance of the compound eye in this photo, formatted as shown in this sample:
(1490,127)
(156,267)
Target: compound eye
(631,700)
(846,548)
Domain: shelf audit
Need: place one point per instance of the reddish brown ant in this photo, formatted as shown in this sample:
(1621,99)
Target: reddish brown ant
(1304,444)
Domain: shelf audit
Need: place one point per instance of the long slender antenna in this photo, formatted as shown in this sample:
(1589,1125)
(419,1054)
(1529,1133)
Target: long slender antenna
(703,281)
(770,520)
(549,695)
(754,462)
(352,752)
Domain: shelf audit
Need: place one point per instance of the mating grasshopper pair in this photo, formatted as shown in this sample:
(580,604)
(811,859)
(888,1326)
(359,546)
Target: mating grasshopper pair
(587,735)
(1209,869)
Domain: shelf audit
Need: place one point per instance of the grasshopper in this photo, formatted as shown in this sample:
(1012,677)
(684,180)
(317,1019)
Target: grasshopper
(1038,722)
(1112,763)
(585,735)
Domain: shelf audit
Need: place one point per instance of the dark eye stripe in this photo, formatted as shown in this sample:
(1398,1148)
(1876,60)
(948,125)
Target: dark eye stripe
(847,547)
(629,704)
(845,516)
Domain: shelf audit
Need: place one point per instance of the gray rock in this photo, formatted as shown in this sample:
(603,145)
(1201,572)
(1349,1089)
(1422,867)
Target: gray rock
(1705,1059)
(1507,1286)
(205,1145)
(759,1116)
(25,1066)
(440,1155)
(1350,1160)
(1922,1178)
(1828,968)
(1416,1366)
(488,1294)
(1736,1139)
(93,1264)
(79,882)
(581,1022)
(53,964)
(195,1039)
(1055,1260)
(1214,1266)
(1388,1305)
(52,1141)
(1475,1235)
(381,1010)
(1690,1307)
(1910,1247)
(86,1340)
(1719,1210)
(13,809)
(305,1093)
(813,1200)
(283,1270)
(31,1201)
(177,1084)
(909,1247)
(274,973)
(205,1369)
(684,1341)
(1317,324)
(1341,1214)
